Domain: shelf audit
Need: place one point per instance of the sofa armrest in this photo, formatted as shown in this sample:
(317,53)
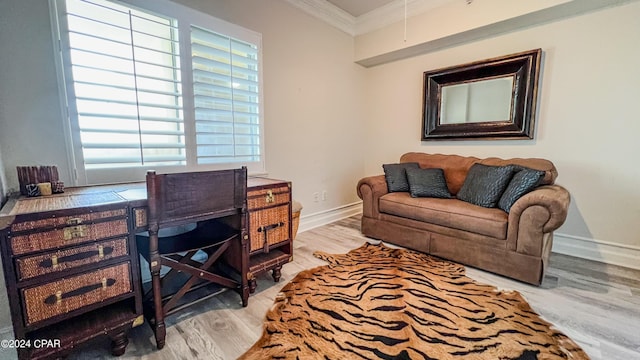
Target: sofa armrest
(369,190)
(535,214)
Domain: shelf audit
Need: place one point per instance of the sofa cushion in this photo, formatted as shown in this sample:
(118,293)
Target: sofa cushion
(455,167)
(427,183)
(396,176)
(522,182)
(485,184)
(550,171)
(451,213)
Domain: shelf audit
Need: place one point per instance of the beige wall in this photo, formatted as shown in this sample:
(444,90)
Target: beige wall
(587,122)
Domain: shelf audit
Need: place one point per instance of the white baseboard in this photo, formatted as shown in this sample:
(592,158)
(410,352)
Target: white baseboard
(310,221)
(597,250)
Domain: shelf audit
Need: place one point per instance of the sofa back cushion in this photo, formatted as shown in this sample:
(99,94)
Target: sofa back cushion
(456,167)
(485,184)
(396,176)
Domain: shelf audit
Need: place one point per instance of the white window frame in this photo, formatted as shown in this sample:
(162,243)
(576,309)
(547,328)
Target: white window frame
(186,17)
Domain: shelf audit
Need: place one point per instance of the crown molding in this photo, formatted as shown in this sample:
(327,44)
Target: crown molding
(327,12)
(373,20)
(394,12)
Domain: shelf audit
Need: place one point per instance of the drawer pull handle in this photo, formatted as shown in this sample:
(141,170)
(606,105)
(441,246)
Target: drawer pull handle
(270,198)
(73,232)
(55,260)
(269,227)
(59,295)
(74,221)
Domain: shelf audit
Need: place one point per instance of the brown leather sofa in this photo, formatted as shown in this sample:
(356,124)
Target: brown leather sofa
(515,244)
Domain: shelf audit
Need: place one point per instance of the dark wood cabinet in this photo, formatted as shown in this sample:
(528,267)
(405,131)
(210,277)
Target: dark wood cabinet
(71,274)
(270,228)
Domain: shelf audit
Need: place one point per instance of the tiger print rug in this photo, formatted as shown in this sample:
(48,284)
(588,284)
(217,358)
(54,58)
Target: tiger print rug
(377,302)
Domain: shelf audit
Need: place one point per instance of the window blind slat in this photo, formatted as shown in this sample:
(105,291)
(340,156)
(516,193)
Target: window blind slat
(117,57)
(173,81)
(222,67)
(136,118)
(107,86)
(140,104)
(134,160)
(124,131)
(130,146)
(200,86)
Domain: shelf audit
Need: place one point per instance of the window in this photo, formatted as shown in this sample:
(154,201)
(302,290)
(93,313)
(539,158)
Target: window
(225,91)
(146,90)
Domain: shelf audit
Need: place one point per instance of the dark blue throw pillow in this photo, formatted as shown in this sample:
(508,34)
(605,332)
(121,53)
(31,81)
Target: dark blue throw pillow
(428,183)
(485,184)
(396,176)
(522,182)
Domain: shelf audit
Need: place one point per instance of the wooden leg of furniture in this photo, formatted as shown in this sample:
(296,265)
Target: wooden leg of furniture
(159,327)
(253,284)
(247,280)
(245,295)
(276,274)
(119,342)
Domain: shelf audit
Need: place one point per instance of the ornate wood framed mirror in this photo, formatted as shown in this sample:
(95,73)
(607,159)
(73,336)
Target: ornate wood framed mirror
(488,99)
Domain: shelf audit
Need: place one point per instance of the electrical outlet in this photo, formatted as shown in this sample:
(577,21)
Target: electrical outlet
(324,195)
(316,196)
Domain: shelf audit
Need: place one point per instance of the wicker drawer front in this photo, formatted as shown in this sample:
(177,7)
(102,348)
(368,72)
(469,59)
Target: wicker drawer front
(69,258)
(258,199)
(272,223)
(67,220)
(60,297)
(69,235)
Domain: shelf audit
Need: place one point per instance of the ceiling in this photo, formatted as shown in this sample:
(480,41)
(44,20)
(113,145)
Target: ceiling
(359,7)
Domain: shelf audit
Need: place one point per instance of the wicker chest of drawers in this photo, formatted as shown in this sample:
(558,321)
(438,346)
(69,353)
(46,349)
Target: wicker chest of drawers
(269,206)
(71,275)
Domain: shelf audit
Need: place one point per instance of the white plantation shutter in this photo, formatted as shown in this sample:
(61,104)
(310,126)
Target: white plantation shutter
(149,91)
(126,80)
(226,98)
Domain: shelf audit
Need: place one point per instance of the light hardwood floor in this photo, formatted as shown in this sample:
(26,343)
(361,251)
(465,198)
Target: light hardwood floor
(597,305)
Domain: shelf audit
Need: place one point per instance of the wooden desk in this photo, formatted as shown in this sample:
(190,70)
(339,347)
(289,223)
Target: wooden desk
(72,269)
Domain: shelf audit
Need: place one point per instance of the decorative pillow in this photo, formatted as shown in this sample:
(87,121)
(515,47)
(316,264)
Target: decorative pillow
(485,184)
(522,182)
(396,176)
(427,183)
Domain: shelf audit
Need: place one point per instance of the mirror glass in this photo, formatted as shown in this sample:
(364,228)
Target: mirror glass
(478,101)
